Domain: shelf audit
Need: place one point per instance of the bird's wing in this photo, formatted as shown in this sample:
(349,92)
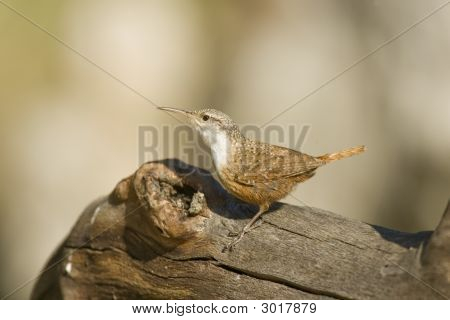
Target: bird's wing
(261,163)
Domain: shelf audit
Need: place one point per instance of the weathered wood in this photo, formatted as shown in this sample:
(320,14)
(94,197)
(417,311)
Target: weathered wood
(160,235)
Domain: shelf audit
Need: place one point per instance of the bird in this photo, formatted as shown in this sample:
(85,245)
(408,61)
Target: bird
(256,172)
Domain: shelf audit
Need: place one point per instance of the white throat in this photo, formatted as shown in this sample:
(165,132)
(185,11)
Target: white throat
(220,146)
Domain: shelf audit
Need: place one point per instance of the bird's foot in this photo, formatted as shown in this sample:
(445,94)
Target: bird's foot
(230,246)
(240,235)
(245,230)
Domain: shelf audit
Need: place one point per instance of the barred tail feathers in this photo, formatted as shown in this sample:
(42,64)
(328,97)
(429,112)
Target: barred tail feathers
(342,154)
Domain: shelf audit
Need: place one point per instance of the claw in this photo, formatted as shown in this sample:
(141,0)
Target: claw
(228,247)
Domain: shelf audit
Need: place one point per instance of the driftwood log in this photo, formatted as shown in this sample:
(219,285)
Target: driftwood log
(161,233)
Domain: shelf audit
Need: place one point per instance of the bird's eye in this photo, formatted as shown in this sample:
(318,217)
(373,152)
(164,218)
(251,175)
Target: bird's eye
(205,117)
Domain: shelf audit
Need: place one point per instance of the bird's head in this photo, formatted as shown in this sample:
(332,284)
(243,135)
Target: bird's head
(210,123)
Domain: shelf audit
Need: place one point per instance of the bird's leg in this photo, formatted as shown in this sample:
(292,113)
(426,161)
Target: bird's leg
(254,226)
(249,226)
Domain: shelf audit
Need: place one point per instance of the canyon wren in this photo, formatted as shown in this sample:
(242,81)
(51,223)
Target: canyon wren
(255,172)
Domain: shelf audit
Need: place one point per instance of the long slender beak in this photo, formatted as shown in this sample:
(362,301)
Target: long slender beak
(184,112)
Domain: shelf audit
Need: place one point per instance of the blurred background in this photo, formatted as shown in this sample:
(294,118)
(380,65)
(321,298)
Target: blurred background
(69,131)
